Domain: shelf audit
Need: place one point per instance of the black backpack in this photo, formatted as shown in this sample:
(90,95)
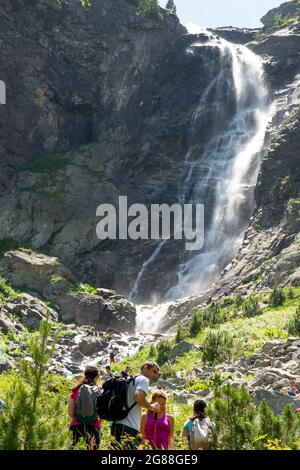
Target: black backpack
(112,403)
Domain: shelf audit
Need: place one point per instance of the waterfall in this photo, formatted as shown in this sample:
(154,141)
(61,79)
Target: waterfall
(221,166)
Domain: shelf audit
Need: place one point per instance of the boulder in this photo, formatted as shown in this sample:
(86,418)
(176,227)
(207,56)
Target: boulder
(54,281)
(180,349)
(277,345)
(6,324)
(287,10)
(6,365)
(36,271)
(262,363)
(91,345)
(30,310)
(93,310)
(276,400)
(280,384)
(180,398)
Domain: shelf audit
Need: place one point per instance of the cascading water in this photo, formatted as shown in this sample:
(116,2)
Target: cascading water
(221,171)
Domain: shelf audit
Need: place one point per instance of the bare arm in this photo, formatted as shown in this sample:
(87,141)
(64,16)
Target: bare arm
(141,400)
(185,435)
(143,426)
(71,408)
(171,431)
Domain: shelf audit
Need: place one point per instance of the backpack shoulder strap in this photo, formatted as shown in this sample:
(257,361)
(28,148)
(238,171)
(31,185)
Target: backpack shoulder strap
(132,380)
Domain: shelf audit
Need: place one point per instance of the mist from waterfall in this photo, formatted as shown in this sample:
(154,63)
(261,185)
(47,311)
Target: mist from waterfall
(220,170)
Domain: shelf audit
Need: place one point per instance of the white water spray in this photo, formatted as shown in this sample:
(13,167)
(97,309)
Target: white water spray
(220,171)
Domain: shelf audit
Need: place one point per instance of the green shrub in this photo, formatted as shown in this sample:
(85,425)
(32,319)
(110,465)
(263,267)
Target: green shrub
(34,418)
(210,316)
(251,308)
(195,325)
(290,294)
(238,301)
(152,352)
(149,8)
(277,297)
(171,7)
(217,347)
(6,291)
(294,324)
(163,350)
(85,289)
(238,425)
(180,333)
(167,372)
(233,414)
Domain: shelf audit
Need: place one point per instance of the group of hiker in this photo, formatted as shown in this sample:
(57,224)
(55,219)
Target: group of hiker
(292,391)
(121,401)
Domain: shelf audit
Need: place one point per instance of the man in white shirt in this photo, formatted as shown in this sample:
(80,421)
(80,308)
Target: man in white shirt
(137,392)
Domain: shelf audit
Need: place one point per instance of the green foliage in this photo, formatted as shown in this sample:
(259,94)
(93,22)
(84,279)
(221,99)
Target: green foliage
(167,372)
(238,425)
(163,350)
(282,21)
(217,347)
(171,7)
(211,316)
(238,300)
(233,413)
(180,333)
(85,289)
(6,291)
(290,294)
(195,325)
(149,8)
(277,297)
(152,352)
(34,418)
(46,164)
(294,323)
(251,308)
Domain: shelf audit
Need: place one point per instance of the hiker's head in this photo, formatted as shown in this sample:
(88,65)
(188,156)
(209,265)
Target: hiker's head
(107,368)
(293,384)
(161,398)
(199,408)
(150,370)
(91,373)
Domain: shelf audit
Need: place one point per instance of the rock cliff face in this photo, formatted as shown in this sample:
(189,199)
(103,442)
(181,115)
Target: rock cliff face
(99,104)
(286,10)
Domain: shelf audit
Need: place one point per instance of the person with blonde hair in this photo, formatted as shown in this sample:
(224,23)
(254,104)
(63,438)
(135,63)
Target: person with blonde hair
(158,427)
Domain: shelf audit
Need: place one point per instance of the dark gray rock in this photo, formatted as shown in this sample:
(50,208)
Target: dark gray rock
(30,310)
(6,365)
(286,10)
(180,349)
(236,35)
(91,345)
(6,324)
(275,400)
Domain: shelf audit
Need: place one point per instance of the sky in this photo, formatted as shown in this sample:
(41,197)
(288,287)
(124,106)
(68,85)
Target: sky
(214,13)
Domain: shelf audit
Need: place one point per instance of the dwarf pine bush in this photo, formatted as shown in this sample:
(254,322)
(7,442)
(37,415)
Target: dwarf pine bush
(277,297)
(294,324)
(239,425)
(34,417)
(251,308)
(217,347)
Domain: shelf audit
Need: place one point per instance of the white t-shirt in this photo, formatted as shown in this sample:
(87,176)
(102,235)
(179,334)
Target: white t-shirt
(133,419)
